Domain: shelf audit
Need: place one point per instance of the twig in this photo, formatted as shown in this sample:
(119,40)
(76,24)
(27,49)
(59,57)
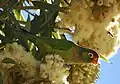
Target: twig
(66,30)
(62,28)
(67,2)
(4,3)
(30,13)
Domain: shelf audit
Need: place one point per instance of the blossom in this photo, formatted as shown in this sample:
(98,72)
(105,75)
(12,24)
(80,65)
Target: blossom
(96,25)
(84,73)
(24,60)
(54,69)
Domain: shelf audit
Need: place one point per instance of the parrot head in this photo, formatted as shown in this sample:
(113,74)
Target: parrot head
(89,55)
(93,56)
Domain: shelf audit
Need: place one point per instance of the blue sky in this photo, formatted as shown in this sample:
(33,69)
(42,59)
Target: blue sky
(110,73)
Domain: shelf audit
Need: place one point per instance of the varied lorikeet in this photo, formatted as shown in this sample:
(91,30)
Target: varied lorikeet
(70,52)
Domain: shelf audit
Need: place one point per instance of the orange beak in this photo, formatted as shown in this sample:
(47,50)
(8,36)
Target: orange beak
(95,61)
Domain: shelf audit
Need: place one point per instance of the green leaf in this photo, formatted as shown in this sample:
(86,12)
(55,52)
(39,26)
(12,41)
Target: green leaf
(59,44)
(3,15)
(1,37)
(7,31)
(18,15)
(55,35)
(8,60)
(11,4)
(1,1)
(23,42)
(56,2)
(36,23)
(43,5)
(105,59)
(45,22)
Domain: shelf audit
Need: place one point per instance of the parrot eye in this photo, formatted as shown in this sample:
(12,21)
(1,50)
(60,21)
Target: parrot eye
(91,55)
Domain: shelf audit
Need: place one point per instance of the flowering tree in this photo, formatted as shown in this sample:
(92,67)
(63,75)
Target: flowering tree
(35,50)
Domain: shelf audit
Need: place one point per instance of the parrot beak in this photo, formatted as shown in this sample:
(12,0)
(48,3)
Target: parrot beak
(95,61)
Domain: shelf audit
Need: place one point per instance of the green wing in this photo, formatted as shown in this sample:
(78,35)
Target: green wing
(58,44)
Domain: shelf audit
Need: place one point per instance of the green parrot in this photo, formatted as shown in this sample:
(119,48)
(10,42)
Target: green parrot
(70,52)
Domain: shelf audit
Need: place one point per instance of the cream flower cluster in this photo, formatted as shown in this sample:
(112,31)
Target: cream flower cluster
(96,24)
(105,2)
(27,67)
(84,73)
(26,61)
(54,69)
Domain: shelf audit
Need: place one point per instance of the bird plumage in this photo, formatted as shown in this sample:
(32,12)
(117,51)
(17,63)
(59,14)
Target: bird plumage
(69,51)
